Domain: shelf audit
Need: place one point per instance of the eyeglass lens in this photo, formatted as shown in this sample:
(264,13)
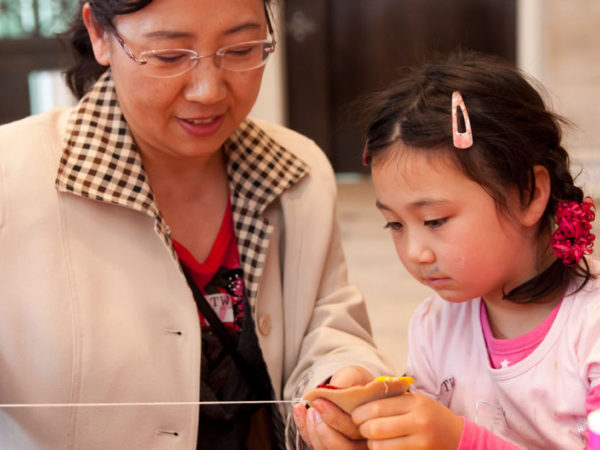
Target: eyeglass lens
(238,58)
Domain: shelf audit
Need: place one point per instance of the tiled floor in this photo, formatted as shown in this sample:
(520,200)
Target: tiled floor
(392,294)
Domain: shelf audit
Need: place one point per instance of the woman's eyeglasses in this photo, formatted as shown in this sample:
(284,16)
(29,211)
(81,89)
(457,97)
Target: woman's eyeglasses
(168,63)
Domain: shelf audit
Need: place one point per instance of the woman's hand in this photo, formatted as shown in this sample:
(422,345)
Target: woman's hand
(325,426)
(408,421)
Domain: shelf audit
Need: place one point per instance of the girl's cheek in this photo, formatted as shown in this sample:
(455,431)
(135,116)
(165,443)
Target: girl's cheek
(399,245)
(460,262)
(403,258)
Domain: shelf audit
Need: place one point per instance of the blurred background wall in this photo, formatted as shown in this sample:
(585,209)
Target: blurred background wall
(569,66)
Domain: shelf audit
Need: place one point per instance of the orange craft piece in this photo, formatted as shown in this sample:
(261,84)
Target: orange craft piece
(349,398)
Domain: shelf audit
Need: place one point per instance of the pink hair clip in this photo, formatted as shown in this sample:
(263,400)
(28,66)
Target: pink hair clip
(464,139)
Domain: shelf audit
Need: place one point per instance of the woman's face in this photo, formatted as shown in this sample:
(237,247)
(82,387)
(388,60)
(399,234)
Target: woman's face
(190,115)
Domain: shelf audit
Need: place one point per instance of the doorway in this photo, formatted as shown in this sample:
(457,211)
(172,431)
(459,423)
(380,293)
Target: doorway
(340,50)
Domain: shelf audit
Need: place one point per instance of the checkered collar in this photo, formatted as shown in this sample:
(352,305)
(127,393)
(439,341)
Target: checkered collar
(100,161)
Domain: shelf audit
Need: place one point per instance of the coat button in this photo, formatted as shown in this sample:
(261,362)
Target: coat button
(264,324)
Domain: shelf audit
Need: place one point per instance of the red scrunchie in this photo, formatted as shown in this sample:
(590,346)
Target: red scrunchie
(573,237)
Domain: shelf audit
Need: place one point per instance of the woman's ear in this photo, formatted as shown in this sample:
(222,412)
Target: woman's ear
(531,213)
(98,36)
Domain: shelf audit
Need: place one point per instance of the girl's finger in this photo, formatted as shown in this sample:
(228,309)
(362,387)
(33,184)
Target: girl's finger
(391,406)
(385,428)
(391,444)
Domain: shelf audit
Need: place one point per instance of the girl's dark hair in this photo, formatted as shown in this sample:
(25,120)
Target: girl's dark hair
(513,131)
(85,70)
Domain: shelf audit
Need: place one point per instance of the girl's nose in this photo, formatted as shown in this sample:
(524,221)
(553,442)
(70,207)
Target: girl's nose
(206,83)
(419,252)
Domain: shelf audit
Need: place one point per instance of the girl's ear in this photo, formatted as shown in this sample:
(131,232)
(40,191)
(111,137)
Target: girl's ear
(98,36)
(532,213)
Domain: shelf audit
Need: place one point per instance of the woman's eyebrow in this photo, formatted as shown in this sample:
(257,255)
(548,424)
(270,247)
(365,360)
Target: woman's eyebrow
(243,27)
(168,34)
(174,34)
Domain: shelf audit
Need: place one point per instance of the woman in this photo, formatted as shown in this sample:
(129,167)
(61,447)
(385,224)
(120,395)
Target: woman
(153,197)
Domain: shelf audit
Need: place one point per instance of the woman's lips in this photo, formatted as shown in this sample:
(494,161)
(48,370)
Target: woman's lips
(201,126)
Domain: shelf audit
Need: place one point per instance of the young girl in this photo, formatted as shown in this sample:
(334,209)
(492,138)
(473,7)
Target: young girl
(474,185)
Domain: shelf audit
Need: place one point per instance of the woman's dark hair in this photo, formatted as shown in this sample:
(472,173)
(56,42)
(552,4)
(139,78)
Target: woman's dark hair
(513,131)
(85,70)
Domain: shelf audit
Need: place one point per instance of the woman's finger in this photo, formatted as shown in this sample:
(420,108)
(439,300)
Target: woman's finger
(301,425)
(323,437)
(336,418)
(351,376)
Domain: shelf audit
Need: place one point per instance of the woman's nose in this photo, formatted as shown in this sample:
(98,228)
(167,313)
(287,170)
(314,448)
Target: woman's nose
(206,83)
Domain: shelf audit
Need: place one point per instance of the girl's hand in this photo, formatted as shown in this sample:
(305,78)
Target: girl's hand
(325,426)
(408,421)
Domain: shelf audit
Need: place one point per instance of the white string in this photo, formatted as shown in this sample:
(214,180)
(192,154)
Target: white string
(95,405)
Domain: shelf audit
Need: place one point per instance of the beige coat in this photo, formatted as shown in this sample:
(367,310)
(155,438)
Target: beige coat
(94,308)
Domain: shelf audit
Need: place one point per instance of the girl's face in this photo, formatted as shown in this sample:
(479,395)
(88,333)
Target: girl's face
(447,230)
(192,114)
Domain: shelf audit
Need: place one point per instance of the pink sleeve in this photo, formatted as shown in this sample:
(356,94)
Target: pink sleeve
(475,437)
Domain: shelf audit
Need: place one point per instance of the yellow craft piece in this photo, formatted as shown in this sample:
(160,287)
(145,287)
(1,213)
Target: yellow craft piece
(407,380)
(349,398)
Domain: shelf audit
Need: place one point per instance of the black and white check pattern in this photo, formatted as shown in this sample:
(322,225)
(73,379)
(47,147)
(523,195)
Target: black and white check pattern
(100,161)
(259,171)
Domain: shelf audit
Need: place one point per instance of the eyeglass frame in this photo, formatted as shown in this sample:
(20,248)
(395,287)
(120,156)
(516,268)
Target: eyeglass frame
(195,56)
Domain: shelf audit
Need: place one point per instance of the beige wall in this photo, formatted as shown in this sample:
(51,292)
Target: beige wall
(571,62)
(571,71)
(271,102)
(559,43)
(571,66)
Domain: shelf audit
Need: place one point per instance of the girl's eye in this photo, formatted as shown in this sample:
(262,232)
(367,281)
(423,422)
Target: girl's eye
(436,223)
(393,226)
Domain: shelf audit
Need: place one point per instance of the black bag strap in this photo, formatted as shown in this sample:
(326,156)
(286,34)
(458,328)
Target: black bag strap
(250,374)
(246,370)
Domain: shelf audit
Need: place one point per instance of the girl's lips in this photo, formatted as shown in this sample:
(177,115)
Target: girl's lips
(436,281)
(201,126)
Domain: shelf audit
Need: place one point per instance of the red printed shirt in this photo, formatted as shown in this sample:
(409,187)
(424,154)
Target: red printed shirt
(220,279)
